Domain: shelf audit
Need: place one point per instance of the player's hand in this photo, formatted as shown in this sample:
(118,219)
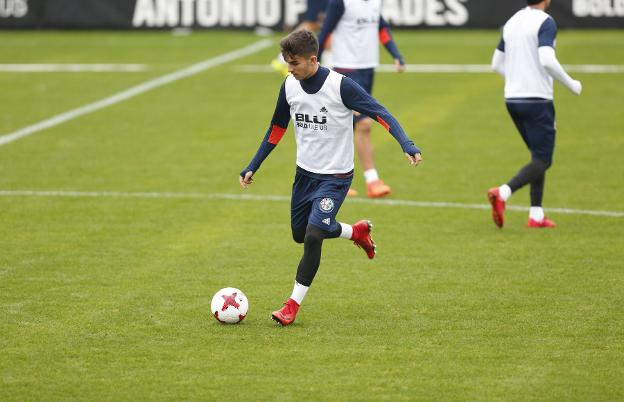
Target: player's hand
(398,66)
(247,180)
(414,159)
(577,87)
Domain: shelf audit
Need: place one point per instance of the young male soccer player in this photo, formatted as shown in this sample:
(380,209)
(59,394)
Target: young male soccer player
(525,57)
(321,102)
(356,27)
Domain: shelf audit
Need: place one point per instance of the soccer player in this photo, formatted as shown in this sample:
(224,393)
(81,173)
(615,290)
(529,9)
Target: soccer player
(356,27)
(321,102)
(525,57)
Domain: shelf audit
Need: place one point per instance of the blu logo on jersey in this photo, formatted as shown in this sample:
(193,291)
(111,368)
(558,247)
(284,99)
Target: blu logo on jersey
(316,123)
(304,117)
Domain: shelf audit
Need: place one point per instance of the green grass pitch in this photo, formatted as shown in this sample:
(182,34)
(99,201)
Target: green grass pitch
(107,297)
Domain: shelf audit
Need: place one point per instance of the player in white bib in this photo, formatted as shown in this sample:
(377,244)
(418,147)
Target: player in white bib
(525,57)
(321,103)
(356,27)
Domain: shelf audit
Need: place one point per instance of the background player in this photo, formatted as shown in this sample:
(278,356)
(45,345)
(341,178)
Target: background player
(322,104)
(526,58)
(355,28)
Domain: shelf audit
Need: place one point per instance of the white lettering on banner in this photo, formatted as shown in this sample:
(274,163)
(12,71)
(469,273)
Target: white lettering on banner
(425,12)
(598,8)
(269,13)
(188,16)
(251,12)
(209,13)
(458,13)
(232,13)
(13,8)
(294,8)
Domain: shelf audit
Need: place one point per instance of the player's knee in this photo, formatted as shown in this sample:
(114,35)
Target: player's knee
(298,235)
(363,126)
(543,164)
(313,236)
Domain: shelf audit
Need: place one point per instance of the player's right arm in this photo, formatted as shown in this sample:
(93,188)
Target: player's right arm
(548,59)
(275,132)
(333,14)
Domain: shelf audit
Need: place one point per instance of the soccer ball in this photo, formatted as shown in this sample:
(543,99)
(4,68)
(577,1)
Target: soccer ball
(229,306)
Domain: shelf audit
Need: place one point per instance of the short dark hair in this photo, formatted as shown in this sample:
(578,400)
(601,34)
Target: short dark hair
(300,43)
(532,2)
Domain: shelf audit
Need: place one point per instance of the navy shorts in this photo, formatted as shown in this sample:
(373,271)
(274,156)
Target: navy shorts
(315,7)
(535,120)
(363,76)
(316,199)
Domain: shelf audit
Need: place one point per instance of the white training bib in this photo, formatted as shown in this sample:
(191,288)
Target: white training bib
(323,126)
(355,41)
(524,75)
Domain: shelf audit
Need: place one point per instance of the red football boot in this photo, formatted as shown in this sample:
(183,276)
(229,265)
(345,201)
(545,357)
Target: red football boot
(361,237)
(287,314)
(498,206)
(544,223)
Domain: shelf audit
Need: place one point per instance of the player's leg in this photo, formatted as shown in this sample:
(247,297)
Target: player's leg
(302,198)
(364,148)
(542,134)
(322,224)
(498,196)
(300,205)
(535,123)
(375,187)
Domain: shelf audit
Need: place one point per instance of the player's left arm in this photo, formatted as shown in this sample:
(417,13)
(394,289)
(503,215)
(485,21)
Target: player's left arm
(333,14)
(385,37)
(356,98)
(546,41)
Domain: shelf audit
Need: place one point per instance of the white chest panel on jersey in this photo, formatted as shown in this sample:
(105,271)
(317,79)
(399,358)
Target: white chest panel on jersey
(323,126)
(355,40)
(524,75)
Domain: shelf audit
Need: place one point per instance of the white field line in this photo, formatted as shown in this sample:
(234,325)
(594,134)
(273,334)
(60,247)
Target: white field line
(72,68)
(455,68)
(136,90)
(283,198)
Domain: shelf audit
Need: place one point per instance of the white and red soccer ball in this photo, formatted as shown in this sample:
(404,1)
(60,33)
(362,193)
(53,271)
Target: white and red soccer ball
(229,306)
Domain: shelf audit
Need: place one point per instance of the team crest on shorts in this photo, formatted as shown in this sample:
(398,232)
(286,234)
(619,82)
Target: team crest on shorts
(326,205)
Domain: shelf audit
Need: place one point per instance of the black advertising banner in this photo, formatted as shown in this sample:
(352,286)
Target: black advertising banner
(21,13)
(281,14)
(88,13)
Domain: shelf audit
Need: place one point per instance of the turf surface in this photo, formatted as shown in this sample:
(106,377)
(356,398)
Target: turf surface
(107,297)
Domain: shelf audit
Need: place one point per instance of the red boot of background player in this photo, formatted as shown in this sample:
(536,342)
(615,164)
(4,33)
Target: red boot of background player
(498,206)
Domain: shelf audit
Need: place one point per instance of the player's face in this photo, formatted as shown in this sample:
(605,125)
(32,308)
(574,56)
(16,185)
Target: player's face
(301,67)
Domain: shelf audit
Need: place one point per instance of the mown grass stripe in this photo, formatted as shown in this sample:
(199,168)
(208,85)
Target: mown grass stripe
(283,198)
